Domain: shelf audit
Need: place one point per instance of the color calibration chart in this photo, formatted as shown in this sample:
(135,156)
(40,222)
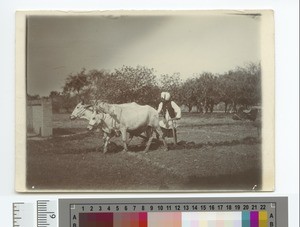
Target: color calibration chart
(188,212)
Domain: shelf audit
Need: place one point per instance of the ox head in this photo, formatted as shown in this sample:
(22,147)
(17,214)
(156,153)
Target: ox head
(95,120)
(79,110)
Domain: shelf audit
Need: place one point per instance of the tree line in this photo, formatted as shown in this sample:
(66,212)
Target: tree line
(240,86)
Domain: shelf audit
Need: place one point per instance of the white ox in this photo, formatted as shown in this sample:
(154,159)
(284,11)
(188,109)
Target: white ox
(85,111)
(109,125)
(82,111)
(132,118)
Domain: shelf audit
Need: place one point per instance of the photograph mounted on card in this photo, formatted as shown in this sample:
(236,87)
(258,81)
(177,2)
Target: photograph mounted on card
(145,101)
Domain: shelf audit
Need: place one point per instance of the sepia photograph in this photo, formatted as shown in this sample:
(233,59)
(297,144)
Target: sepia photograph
(145,101)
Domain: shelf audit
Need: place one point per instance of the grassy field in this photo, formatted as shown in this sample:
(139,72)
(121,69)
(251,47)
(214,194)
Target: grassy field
(214,153)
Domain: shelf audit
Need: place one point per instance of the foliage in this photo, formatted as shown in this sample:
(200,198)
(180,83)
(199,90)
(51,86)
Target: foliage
(172,84)
(188,93)
(200,91)
(33,97)
(123,85)
(76,84)
(136,85)
(57,101)
(62,102)
(240,86)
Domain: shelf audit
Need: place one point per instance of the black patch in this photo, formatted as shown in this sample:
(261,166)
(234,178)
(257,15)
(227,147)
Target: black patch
(167,106)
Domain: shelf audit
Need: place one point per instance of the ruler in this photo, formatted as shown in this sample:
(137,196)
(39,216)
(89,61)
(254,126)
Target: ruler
(23,214)
(46,213)
(43,213)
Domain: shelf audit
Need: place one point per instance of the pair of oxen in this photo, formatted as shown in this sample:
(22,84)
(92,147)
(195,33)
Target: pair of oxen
(116,119)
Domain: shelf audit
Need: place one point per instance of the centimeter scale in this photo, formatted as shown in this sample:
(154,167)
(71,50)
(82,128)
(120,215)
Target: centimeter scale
(154,212)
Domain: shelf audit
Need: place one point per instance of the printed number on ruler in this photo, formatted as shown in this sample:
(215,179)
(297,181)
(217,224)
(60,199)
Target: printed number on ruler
(46,213)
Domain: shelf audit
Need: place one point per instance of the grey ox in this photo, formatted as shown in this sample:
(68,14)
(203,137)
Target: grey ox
(132,118)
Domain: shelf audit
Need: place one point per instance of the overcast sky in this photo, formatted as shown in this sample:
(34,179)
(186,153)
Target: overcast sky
(188,44)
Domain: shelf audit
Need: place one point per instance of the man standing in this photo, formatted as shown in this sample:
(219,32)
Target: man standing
(171,112)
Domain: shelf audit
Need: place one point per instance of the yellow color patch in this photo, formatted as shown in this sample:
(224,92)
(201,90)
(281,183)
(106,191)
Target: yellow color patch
(263,219)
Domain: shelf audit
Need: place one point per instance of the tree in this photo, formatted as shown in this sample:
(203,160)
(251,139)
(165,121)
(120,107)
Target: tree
(75,84)
(251,84)
(206,91)
(57,101)
(172,84)
(188,93)
(33,97)
(241,86)
(136,85)
(103,85)
(125,84)
(76,87)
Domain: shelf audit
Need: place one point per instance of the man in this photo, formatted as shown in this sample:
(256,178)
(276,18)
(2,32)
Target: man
(171,112)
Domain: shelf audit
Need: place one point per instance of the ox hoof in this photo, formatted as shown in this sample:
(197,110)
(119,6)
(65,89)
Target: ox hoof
(166,149)
(124,151)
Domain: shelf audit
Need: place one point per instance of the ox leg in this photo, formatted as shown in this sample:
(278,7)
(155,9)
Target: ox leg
(164,139)
(130,138)
(150,136)
(106,141)
(165,143)
(148,144)
(157,134)
(124,139)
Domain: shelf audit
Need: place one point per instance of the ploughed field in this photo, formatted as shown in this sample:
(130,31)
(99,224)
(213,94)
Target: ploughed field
(214,153)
